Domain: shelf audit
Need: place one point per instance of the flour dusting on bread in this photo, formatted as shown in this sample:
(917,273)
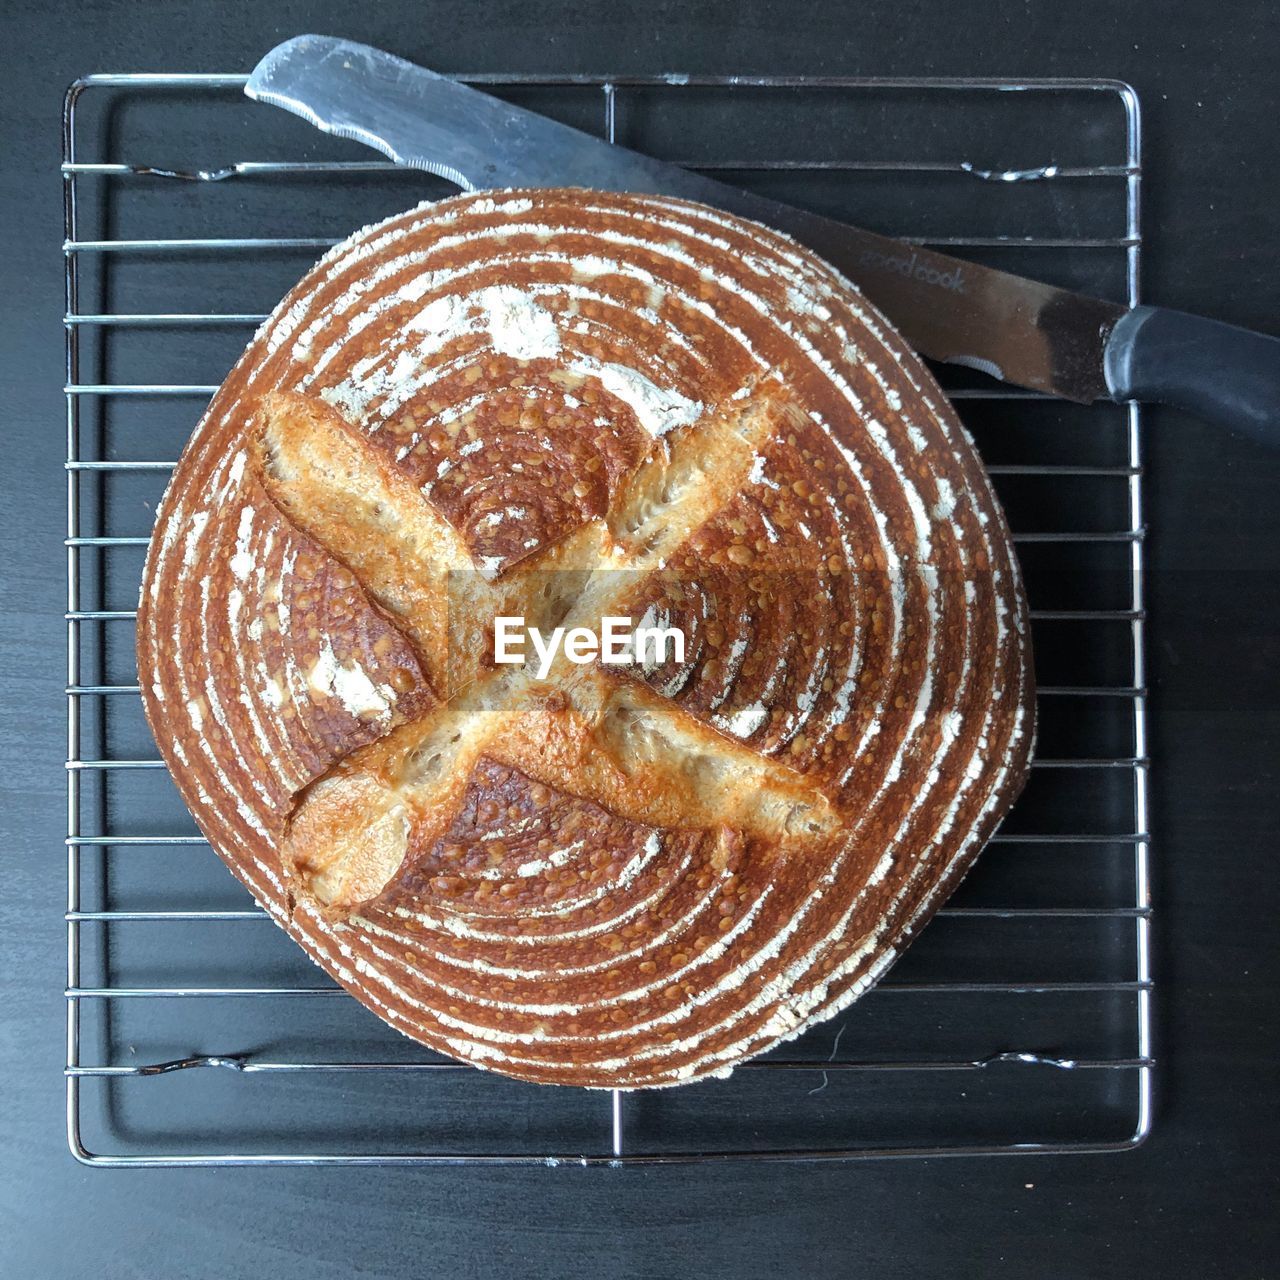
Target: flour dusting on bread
(570,405)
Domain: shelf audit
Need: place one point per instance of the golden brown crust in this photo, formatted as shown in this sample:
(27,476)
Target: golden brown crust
(605,404)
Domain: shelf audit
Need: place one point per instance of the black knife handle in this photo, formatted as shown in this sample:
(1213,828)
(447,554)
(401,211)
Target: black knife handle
(1215,370)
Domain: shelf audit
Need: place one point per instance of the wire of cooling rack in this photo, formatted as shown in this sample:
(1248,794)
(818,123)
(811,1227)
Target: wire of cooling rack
(111,1050)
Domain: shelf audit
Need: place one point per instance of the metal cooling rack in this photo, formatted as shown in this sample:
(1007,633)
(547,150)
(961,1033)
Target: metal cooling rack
(1020,1021)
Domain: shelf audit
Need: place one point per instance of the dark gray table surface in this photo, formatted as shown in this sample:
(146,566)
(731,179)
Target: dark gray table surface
(1199,1198)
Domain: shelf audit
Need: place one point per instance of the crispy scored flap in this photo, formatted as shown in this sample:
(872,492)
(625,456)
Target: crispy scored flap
(619,744)
(565,405)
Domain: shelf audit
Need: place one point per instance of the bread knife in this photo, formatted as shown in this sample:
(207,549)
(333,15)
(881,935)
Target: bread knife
(1018,330)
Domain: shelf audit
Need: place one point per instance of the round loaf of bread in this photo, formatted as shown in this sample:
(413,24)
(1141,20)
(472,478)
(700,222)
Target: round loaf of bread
(565,406)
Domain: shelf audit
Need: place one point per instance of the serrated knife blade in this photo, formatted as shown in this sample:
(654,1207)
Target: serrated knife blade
(1018,330)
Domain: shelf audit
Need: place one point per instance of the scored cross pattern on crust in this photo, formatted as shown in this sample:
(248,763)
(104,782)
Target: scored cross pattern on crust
(584,731)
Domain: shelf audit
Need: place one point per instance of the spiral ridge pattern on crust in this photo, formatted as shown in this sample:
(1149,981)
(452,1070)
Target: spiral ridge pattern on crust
(854,612)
